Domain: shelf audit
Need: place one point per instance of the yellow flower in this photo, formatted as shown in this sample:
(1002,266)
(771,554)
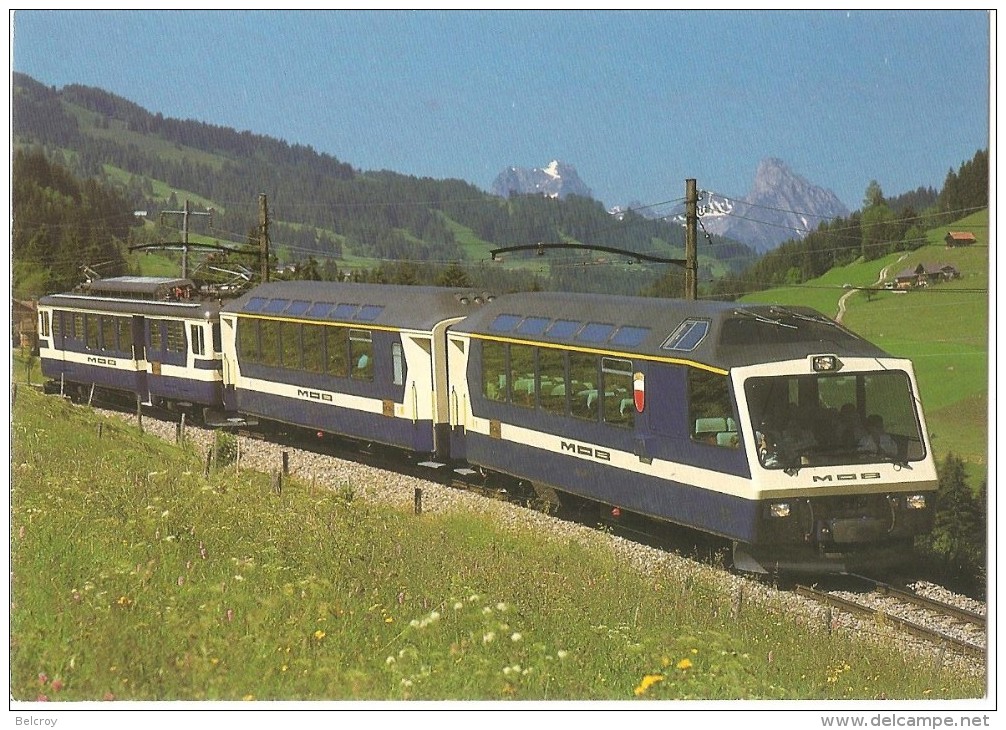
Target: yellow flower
(685,663)
(648,681)
(319,634)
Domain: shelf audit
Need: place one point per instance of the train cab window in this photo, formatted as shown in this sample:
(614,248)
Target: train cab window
(314,347)
(687,336)
(710,410)
(494,380)
(361,354)
(617,403)
(43,323)
(218,345)
(175,337)
(552,380)
(522,375)
(198,339)
(336,351)
(583,382)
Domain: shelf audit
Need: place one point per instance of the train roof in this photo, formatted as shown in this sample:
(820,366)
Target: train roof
(387,305)
(146,295)
(714,333)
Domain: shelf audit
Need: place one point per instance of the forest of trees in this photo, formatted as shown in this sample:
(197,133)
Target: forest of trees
(325,207)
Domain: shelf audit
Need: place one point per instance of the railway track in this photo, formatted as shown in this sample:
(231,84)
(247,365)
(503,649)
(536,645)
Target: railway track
(947,626)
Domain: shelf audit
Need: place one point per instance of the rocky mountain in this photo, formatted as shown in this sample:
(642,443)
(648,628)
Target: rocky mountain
(780,206)
(555,180)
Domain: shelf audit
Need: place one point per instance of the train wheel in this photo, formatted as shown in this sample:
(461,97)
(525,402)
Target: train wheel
(544,499)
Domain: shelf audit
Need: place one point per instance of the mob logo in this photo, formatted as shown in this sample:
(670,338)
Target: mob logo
(862,476)
(589,451)
(101,360)
(314,395)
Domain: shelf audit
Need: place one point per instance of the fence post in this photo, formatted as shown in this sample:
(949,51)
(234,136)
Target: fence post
(418,501)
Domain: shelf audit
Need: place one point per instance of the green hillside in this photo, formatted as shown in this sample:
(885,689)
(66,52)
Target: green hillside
(944,329)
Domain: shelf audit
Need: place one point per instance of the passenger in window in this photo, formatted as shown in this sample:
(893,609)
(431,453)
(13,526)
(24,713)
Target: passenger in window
(876,440)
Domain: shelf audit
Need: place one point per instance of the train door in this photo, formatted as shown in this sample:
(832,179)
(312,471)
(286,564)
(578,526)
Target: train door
(441,396)
(137,334)
(459,399)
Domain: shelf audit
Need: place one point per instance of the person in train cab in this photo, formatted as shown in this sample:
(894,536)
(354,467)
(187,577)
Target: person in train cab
(850,430)
(876,440)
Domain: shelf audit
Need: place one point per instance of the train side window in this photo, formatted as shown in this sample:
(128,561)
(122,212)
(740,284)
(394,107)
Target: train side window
(57,323)
(290,344)
(552,388)
(336,351)
(314,348)
(361,354)
(91,330)
(397,364)
(109,334)
(198,339)
(155,335)
(494,378)
(248,347)
(710,410)
(583,386)
(618,407)
(522,376)
(43,324)
(269,342)
(176,337)
(218,344)
(78,326)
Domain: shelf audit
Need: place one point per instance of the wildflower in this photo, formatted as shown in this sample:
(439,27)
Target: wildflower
(108,697)
(388,620)
(501,606)
(57,685)
(43,678)
(181,580)
(647,681)
(487,638)
(124,601)
(685,663)
(458,605)
(229,615)
(319,635)
(389,661)
(515,636)
(41,698)
(562,653)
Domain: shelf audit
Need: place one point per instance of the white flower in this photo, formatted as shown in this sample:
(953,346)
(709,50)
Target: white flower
(458,606)
(501,606)
(562,653)
(390,660)
(515,636)
(488,637)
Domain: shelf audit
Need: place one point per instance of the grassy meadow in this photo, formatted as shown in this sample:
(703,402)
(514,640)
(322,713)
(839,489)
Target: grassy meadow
(136,576)
(944,329)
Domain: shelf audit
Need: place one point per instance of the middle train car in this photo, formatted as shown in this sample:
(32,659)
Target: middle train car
(747,422)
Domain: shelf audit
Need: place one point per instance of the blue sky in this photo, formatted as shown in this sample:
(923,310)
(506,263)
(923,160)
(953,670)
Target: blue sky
(637,101)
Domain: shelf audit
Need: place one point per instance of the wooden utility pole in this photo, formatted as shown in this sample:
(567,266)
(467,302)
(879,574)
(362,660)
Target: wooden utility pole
(185,233)
(691,231)
(263,236)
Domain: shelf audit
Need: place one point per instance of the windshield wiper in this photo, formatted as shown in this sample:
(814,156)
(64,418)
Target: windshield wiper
(764,319)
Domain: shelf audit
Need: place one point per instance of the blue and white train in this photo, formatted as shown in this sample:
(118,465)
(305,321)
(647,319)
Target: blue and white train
(773,427)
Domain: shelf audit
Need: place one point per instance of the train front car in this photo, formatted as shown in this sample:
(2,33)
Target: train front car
(843,477)
(745,422)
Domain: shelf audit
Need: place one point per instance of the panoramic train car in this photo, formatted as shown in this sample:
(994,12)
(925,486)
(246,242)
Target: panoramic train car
(132,334)
(754,423)
(364,361)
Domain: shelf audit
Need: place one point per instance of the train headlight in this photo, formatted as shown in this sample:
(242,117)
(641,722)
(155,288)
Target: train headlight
(825,363)
(779,509)
(916,501)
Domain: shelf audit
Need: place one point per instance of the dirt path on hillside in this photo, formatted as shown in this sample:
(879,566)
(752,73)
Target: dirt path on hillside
(880,280)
